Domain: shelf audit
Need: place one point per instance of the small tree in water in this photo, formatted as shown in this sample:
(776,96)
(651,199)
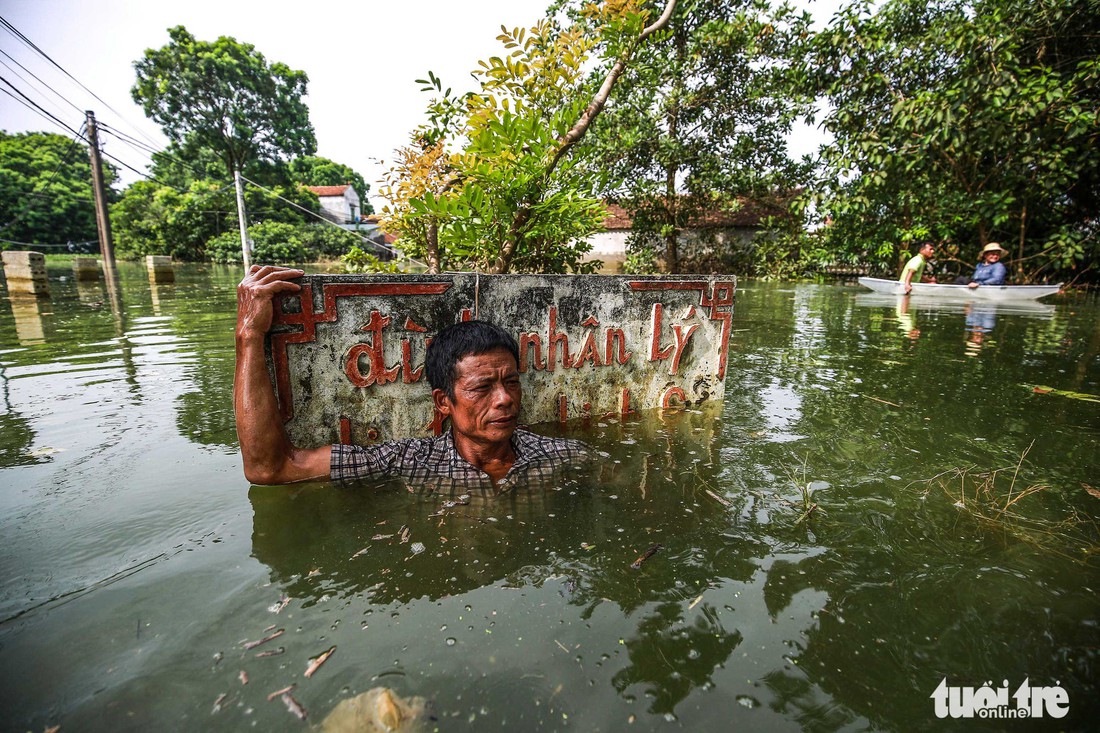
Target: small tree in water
(490,181)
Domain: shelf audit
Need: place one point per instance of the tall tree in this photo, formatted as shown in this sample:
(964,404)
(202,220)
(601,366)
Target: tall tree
(313,170)
(46,189)
(964,120)
(512,195)
(224,96)
(703,119)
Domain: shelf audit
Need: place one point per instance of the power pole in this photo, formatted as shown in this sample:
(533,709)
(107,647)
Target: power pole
(242,219)
(102,220)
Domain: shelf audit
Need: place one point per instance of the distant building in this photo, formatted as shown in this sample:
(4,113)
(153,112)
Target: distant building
(705,238)
(339,204)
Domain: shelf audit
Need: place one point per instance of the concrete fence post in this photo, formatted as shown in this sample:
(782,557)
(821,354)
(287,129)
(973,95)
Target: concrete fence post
(160,269)
(26,273)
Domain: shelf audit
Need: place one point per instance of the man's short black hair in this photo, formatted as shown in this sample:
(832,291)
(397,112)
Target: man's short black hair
(458,341)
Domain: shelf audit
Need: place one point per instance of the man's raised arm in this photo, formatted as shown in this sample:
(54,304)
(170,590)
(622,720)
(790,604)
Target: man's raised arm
(269,457)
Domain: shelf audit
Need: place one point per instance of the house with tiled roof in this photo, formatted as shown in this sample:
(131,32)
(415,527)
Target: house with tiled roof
(339,204)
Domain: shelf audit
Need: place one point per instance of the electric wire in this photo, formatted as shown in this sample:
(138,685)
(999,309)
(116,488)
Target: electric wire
(18,34)
(35,76)
(45,98)
(380,247)
(37,106)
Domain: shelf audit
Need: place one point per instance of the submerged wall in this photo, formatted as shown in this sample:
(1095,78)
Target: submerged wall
(346,354)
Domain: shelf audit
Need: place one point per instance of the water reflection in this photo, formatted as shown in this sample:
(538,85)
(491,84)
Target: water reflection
(137,559)
(27,312)
(379,545)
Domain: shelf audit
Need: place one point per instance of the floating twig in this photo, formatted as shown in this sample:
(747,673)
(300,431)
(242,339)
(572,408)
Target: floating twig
(271,653)
(637,564)
(695,602)
(316,662)
(253,644)
(283,691)
(243,677)
(720,499)
(885,402)
(294,706)
(218,702)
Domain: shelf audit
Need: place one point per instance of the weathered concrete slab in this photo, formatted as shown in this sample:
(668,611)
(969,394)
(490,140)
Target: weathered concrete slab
(86,268)
(347,355)
(26,272)
(160,269)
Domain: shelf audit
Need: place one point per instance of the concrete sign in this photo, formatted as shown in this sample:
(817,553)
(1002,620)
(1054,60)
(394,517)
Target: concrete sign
(346,355)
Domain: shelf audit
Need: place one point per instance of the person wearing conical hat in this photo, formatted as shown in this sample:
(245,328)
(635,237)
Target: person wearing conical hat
(989,271)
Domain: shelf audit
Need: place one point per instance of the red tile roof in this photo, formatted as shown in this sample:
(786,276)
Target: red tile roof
(329,190)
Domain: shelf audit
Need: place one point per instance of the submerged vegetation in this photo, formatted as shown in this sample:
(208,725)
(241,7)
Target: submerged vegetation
(1035,514)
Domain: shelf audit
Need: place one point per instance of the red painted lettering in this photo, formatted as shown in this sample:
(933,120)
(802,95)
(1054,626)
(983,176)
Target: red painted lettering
(554,338)
(656,353)
(681,343)
(408,373)
(589,352)
(532,340)
(613,335)
(377,373)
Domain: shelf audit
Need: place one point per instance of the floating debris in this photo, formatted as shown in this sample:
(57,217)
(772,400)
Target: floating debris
(417,548)
(1042,389)
(283,691)
(243,677)
(361,552)
(218,702)
(378,710)
(720,499)
(316,662)
(253,644)
(637,564)
(278,606)
(293,706)
(404,532)
(382,536)
(271,652)
(695,602)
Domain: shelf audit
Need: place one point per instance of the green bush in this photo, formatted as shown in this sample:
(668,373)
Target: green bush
(281,243)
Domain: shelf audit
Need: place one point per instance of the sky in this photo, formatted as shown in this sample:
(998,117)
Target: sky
(362,58)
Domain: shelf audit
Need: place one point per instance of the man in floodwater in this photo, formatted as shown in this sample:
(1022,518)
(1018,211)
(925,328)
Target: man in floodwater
(472,368)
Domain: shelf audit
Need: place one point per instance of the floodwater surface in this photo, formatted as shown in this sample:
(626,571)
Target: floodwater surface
(891,494)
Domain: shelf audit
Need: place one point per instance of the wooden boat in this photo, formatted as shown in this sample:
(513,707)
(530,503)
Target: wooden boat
(962,292)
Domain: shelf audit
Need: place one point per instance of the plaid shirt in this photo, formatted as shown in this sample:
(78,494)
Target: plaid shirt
(434,463)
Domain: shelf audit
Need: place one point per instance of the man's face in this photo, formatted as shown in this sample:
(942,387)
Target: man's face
(485,407)
(928,250)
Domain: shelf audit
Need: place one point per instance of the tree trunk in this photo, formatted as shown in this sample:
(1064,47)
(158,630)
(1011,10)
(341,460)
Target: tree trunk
(432,245)
(519,222)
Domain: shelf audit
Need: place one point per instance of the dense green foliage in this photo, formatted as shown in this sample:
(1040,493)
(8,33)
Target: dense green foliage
(964,121)
(46,189)
(154,219)
(226,109)
(225,97)
(493,181)
(701,121)
(277,243)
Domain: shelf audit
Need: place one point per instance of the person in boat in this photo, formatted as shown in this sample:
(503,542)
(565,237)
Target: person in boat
(914,268)
(472,368)
(990,269)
